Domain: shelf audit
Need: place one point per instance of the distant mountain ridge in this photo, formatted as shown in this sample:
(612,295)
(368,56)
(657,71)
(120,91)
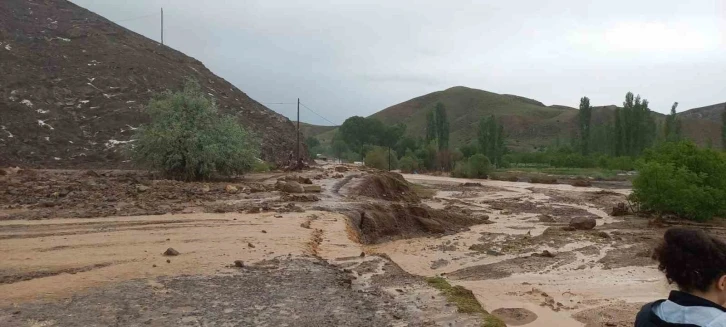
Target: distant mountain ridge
(529,124)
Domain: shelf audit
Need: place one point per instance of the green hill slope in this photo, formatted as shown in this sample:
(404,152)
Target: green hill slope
(529,124)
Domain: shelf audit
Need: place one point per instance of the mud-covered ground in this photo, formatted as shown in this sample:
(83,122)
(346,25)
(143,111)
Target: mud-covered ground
(330,246)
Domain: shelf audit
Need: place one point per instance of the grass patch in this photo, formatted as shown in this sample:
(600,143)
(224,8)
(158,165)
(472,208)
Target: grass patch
(595,173)
(423,191)
(464,300)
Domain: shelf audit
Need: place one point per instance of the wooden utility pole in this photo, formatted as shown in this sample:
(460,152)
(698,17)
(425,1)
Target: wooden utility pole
(297,153)
(162,26)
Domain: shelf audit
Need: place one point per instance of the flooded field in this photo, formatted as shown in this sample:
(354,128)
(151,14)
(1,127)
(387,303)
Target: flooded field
(88,248)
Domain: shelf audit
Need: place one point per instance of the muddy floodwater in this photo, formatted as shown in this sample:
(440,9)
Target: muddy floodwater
(351,248)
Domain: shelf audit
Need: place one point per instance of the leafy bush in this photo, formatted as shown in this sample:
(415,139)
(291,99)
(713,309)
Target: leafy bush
(188,139)
(478,166)
(682,179)
(261,166)
(408,164)
(378,157)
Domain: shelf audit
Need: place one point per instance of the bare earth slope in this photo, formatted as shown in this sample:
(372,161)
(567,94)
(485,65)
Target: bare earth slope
(73,87)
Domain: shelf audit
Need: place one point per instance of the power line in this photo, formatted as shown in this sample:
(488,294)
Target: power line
(319,115)
(135,18)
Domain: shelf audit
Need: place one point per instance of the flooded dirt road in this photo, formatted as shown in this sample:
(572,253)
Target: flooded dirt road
(357,249)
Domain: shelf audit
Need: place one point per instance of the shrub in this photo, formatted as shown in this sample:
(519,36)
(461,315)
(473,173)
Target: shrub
(681,179)
(408,164)
(479,166)
(261,166)
(188,139)
(378,157)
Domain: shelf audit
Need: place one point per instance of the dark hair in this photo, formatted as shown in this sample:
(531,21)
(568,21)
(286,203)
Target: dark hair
(691,258)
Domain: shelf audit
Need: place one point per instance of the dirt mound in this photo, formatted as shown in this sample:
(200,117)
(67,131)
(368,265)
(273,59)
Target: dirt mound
(74,85)
(515,316)
(385,186)
(377,223)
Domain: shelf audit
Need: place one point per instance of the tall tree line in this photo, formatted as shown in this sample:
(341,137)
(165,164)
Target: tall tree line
(635,127)
(585,121)
(437,127)
(672,129)
(491,139)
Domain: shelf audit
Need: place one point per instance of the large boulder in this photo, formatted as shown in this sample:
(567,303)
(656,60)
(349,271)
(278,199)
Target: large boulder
(290,187)
(583,223)
(341,169)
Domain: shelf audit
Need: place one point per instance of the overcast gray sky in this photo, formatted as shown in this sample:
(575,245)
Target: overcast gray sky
(345,58)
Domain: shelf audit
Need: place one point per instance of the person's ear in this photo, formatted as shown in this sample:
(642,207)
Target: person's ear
(721,283)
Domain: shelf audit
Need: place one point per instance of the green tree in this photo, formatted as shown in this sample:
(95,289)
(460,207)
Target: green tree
(338,146)
(442,126)
(188,139)
(311,142)
(378,157)
(672,129)
(431,132)
(683,179)
(723,129)
(491,139)
(469,150)
(479,166)
(408,164)
(585,116)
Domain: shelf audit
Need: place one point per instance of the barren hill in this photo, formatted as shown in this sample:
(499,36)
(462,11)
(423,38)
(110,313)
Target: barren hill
(73,86)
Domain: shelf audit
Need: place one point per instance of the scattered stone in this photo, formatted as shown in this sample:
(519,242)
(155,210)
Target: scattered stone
(256,188)
(168,261)
(141,188)
(205,188)
(362,254)
(153,266)
(250,245)
(264,231)
(620,210)
(583,223)
(338,176)
(341,169)
(231,189)
(239,263)
(602,234)
(171,252)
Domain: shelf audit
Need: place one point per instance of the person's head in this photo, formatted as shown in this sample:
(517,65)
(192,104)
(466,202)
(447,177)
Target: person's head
(695,261)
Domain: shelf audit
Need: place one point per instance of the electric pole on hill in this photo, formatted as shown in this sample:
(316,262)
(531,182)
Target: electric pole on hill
(297,153)
(162,26)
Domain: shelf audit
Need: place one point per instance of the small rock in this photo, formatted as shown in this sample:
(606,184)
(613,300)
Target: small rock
(231,189)
(362,254)
(289,187)
(205,188)
(547,254)
(153,266)
(141,188)
(341,169)
(171,252)
(264,231)
(239,263)
(250,245)
(168,261)
(583,223)
(602,234)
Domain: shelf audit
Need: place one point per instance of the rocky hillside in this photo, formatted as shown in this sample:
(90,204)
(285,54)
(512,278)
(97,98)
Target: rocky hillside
(73,86)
